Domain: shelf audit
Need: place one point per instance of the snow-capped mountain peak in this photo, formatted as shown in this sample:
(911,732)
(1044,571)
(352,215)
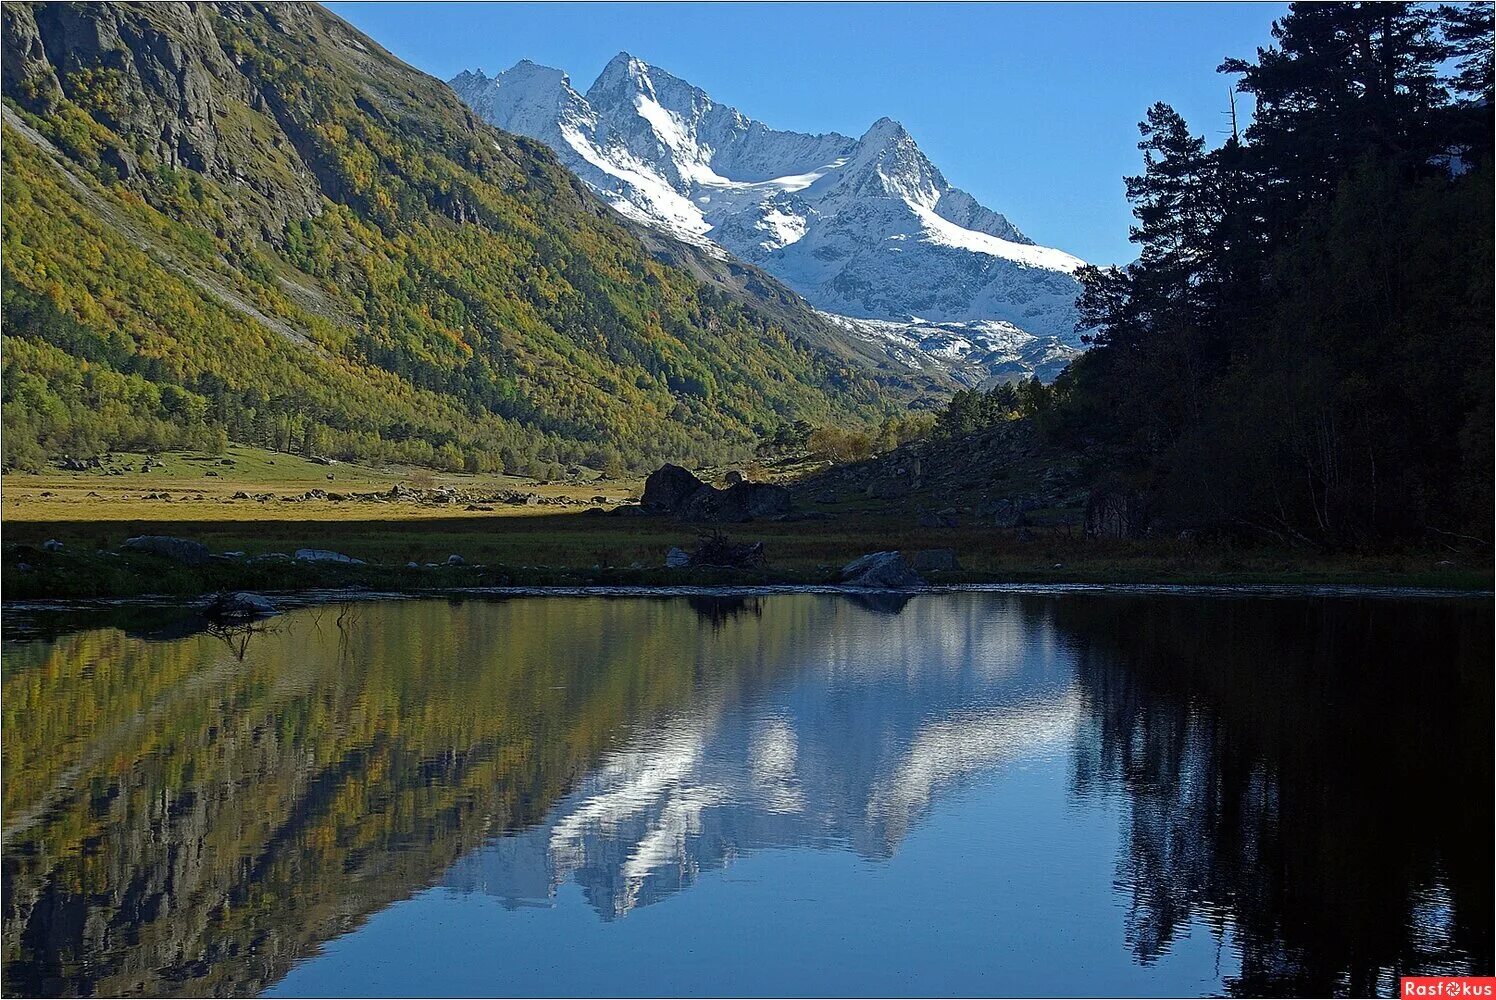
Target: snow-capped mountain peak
(867,227)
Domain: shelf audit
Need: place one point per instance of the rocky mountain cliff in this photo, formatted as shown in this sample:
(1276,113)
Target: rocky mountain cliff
(866,228)
(249,221)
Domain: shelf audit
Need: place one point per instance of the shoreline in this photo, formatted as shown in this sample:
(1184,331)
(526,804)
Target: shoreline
(316,597)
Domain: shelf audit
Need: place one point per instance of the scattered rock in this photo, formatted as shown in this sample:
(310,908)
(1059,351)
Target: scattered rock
(240,495)
(52,545)
(182,550)
(412,565)
(455,560)
(934,560)
(326,555)
(677,558)
(880,569)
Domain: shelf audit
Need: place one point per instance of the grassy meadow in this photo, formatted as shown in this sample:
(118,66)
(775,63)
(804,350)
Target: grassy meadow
(91,512)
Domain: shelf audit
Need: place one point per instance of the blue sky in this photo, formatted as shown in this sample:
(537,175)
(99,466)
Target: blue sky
(1033,108)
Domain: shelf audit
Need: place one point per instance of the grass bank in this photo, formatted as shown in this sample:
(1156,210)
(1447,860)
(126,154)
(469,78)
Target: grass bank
(573,548)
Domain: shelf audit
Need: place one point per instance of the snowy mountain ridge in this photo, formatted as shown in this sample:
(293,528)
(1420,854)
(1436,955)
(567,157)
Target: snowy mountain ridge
(867,229)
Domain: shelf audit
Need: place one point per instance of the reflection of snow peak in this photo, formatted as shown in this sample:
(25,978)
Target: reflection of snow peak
(873,722)
(951,749)
(865,227)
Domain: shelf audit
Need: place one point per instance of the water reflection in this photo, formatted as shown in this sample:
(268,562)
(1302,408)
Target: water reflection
(196,813)
(1314,772)
(874,724)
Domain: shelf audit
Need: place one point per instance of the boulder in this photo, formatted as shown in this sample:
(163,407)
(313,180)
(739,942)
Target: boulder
(668,488)
(455,560)
(240,605)
(182,550)
(677,558)
(52,545)
(938,560)
(327,556)
(734,477)
(880,569)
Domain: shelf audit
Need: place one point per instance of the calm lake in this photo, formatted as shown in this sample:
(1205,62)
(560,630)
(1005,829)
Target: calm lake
(961,793)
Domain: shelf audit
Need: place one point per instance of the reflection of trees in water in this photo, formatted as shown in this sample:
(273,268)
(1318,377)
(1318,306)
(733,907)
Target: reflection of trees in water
(717,611)
(236,635)
(195,821)
(1317,774)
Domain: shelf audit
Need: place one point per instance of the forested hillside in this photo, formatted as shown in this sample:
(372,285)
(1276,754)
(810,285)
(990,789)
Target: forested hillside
(249,222)
(1302,351)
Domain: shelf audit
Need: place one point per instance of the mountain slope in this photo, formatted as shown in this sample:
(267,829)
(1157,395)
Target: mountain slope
(867,227)
(250,221)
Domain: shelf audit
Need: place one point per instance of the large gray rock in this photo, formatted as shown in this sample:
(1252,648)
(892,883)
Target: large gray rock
(667,489)
(326,556)
(677,558)
(880,569)
(182,550)
(240,605)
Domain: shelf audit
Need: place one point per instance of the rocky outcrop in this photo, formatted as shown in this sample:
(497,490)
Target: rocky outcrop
(673,491)
(158,77)
(668,488)
(740,502)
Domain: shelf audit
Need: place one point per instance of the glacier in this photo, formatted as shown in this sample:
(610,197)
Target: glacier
(866,229)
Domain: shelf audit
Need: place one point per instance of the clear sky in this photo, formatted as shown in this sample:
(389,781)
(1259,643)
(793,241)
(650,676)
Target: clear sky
(1033,108)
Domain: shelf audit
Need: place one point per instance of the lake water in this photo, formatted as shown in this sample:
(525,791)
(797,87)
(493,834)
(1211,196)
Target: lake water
(962,793)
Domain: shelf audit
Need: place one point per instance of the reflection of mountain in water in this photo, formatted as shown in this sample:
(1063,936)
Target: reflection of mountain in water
(191,817)
(848,752)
